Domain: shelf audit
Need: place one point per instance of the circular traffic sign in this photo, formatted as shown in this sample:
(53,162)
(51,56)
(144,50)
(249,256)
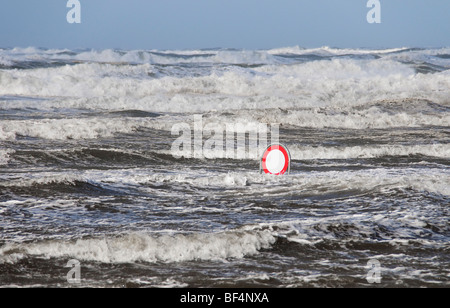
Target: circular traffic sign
(276,160)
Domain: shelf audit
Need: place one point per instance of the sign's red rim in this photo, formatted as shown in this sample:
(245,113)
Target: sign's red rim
(286,158)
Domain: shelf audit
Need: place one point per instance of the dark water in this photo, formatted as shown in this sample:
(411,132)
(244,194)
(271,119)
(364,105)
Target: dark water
(87,171)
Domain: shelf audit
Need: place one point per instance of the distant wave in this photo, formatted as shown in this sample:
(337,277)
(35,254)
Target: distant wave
(221,80)
(225,56)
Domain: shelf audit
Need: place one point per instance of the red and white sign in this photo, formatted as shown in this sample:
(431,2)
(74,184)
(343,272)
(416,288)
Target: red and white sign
(276,160)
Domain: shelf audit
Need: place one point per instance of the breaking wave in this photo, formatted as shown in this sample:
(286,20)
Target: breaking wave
(146,247)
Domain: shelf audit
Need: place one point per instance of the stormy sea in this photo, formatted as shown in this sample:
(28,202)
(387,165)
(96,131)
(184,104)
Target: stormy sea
(93,194)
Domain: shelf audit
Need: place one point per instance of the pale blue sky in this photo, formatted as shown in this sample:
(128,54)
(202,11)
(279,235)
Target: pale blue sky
(248,24)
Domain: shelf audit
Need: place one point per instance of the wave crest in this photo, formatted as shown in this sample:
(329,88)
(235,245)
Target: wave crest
(147,248)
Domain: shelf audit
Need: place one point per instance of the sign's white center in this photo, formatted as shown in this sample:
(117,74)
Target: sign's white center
(275,161)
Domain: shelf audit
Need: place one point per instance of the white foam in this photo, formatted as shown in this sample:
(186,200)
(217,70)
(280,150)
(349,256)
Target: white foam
(11,56)
(146,248)
(5,155)
(337,69)
(245,57)
(299,152)
(432,180)
(402,221)
(39,178)
(5,61)
(169,57)
(423,56)
(307,153)
(435,180)
(61,129)
(370,117)
(230,179)
(339,82)
(329,51)
(424,179)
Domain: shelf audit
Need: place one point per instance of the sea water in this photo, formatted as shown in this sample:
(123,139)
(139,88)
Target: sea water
(87,172)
